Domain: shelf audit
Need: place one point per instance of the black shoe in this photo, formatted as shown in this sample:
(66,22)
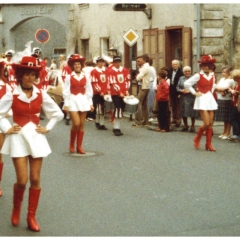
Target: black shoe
(67,121)
(117,132)
(184,129)
(102,127)
(97,125)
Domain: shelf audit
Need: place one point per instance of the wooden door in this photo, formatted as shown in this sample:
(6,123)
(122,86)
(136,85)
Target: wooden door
(161,49)
(187,46)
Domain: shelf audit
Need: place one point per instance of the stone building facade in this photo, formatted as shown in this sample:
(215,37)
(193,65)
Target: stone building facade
(166,31)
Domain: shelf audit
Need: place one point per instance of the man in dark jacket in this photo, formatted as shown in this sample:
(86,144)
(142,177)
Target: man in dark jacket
(175,72)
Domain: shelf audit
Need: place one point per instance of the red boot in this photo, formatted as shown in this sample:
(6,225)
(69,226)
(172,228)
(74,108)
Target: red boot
(72,140)
(198,137)
(17,202)
(79,142)
(32,207)
(1,168)
(209,134)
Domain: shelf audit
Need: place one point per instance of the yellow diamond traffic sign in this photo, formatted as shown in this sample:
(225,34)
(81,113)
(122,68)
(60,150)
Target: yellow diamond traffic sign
(130,37)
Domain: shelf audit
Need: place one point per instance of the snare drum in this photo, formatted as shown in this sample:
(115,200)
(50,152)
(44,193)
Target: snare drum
(131,104)
(109,106)
(130,108)
(108,103)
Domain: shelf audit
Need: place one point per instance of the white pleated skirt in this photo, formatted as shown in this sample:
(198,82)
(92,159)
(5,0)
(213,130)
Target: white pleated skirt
(205,102)
(78,103)
(26,142)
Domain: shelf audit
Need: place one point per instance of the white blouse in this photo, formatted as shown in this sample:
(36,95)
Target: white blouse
(67,93)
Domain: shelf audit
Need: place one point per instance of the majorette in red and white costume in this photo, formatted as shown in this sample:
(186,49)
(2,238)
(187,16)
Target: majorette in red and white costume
(119,82)
(26,113)
(66,70)
(5,96)
(204,101)
(100,87)
(27,143)
(77,94)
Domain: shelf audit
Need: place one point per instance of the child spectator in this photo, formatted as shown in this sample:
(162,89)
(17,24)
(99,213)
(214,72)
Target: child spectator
(53,65)
(162,97)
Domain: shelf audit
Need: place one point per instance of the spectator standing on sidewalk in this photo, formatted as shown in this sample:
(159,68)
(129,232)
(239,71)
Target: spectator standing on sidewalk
(186,101)
(235,109)
(162,97)
(175,72)
(224,101)
(143,78)
(151,94)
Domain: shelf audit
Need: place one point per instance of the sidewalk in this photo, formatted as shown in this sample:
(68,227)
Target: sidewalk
(217,126)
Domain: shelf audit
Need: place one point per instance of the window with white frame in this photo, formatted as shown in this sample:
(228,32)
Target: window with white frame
(85,48)
(104,46)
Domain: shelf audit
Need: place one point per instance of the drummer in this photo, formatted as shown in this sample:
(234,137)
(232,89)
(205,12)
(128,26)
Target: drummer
(119,82)
(100,85)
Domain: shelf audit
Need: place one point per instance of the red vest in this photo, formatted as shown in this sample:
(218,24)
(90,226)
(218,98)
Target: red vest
(24,112)
(78,86)
(3,91)
(204,85)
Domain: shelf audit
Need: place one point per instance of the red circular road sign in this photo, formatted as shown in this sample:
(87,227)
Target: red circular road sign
(42,35)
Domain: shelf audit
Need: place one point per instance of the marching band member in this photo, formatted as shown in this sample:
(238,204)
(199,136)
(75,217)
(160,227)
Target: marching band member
(24,137)
(204,101)
(77,94)
(119,81)
(100,85)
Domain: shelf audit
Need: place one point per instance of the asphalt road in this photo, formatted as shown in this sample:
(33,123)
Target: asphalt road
(143,183)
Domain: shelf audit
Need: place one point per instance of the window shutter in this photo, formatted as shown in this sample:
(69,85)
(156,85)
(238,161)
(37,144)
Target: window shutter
(161,49)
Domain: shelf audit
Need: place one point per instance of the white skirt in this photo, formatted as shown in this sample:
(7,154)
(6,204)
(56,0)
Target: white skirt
(78,103)
(26,142)
(205,102)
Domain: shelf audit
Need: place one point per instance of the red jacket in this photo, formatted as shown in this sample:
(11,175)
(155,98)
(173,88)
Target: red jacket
(162,91)
(99,80)
(119,80)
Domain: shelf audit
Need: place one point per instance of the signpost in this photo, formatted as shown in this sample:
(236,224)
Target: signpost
(130,37)
(42,36)
(133,7)
(129,7)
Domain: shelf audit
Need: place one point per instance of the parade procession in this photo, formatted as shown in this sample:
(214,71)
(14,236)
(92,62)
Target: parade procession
(128,125)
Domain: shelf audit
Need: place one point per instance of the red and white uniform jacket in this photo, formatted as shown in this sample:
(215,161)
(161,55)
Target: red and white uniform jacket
(119,80)
(99,80)
(43,81)
(5,100)
(65,71)
(11,77)
(27,110)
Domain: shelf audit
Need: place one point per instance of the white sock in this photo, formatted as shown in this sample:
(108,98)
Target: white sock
(116,124)
(101,120)
(97,118)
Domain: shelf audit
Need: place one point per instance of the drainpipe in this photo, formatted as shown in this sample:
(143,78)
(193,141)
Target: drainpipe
(232,40)
(198,34)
